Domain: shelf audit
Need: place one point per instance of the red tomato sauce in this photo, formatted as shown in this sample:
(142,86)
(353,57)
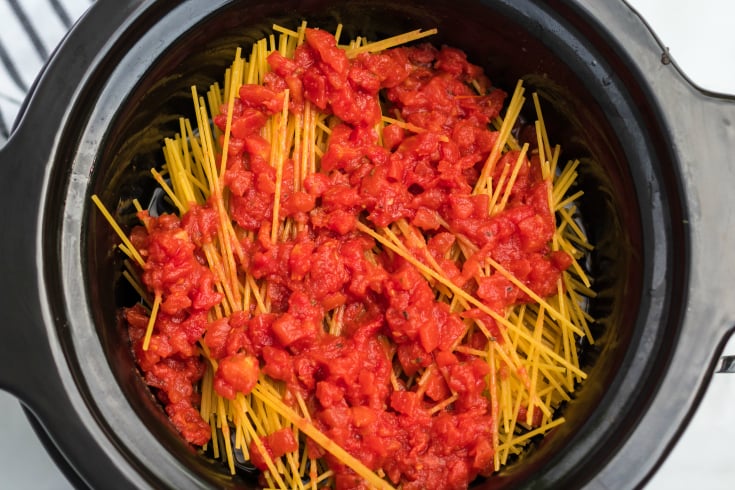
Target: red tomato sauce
(390,317)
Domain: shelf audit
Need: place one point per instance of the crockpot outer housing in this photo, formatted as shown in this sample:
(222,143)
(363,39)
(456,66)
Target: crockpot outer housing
(663,196)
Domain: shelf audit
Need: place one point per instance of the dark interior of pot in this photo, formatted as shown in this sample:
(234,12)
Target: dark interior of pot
(577,89)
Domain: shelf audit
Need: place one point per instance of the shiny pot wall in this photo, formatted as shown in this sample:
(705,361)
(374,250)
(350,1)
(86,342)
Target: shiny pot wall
(655,178)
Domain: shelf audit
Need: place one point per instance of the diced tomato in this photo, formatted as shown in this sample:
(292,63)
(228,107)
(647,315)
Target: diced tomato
(405,402)
(412,357)
(324,43)
(483,458)
(535,418)
(278,363)
(387,358)
(248,123)
(497,290)
(315,87)
(393,135)
(329,394)
(216,337)
(261,98)
(436,387)
(282,65)
(281,442)
(275,444)
(258,147)
(189,423)
(201,223)
(236,373)
(299,202)
(461,205)
(561,260)
(429,336)
(288,329)
(535,233)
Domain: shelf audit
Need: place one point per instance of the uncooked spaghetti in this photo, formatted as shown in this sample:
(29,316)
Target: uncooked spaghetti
(369,281)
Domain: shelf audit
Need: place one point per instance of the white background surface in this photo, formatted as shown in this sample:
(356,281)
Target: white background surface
(701,38)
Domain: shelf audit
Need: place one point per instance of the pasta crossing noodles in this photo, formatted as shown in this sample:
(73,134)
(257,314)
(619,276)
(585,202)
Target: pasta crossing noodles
(369,281)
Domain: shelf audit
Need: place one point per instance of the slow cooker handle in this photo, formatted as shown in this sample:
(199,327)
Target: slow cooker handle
(26,344)
(724,112)
(705,141)
(28,362)
(33,366)
(32,363)
(25,348)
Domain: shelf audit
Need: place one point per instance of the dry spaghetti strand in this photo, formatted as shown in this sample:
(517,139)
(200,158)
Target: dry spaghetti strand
(533,363)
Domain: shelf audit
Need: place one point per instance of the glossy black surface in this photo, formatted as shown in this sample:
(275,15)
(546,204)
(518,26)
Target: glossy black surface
(121,79)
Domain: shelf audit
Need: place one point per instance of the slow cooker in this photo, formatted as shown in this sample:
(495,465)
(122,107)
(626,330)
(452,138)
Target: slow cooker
(657,207)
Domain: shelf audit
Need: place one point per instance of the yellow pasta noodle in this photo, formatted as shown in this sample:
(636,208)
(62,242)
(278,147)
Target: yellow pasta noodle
(528,350)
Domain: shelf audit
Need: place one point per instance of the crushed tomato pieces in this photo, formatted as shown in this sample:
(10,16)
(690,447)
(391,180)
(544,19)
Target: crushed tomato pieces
(345,314)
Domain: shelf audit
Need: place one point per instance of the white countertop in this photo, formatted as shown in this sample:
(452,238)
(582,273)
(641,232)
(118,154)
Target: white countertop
(701,38)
